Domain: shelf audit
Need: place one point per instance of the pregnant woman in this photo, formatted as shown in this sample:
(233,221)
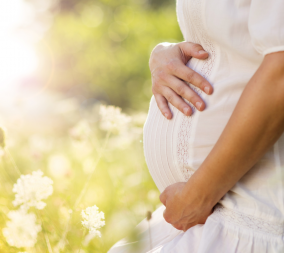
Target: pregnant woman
(220,169)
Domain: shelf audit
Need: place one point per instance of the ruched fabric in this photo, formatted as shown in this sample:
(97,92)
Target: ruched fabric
(219,234)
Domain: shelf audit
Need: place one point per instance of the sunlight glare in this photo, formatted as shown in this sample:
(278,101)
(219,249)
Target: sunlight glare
(17,58)
(14,13)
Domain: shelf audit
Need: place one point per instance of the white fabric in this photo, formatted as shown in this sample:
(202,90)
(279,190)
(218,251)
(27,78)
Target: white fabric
(237,34)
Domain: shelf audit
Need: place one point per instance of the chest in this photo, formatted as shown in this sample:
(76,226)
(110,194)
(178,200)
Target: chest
(218,19)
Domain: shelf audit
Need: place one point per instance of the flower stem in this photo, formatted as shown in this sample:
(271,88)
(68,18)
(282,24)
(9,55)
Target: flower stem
(85,187)
(92,172)
(83,235)
(13,161)
(45,234)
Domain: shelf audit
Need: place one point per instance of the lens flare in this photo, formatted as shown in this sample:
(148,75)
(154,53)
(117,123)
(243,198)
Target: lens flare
(17,60)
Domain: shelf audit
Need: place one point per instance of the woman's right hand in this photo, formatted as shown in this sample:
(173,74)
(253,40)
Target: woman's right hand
(169,73)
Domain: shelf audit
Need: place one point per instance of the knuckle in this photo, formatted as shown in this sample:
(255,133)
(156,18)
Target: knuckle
(158,47)
(155,51)
(193,99)
(161,197)
(178,227)
(153,89)
(161,75)
(152,61)
(171,65)
(155,83)
(167,218)
(181,89)
(196,46)
(170,98)
(156,86)
(190,76)
(166,191)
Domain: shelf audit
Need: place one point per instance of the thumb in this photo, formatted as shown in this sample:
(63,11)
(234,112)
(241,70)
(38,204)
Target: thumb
(190,49)
(163,198)
(187,226)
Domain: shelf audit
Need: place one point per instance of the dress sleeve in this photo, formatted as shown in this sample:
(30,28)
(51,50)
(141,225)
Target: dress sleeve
(266,25)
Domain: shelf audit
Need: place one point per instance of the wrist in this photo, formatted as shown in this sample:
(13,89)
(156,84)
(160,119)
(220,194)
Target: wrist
(201,191)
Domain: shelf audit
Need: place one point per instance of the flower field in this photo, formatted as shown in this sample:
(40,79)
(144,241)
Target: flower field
(75,88)
(79,190)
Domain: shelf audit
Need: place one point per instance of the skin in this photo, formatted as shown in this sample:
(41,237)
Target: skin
(255,125)
(169,73)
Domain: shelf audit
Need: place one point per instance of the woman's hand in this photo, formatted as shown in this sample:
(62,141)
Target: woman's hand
(169,71)
(184,210)
(255,125)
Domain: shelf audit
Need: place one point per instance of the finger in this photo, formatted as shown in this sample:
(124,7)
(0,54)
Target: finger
(182,225)
(187,74)
(163,106)
(187,226)
(190,49)
(163,198)
(178,226)
(171,216)
(168,218)
(173,98)
(182,89)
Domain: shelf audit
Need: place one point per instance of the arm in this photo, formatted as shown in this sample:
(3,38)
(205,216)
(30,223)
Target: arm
(255,125)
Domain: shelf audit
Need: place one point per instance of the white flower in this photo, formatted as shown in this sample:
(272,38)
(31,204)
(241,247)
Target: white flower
(22,230)
(59,165)
(93,220)
(31,189)
(112,119)
(81,131)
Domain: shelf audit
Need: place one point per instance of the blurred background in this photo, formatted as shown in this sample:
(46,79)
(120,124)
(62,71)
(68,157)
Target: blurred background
(59,61)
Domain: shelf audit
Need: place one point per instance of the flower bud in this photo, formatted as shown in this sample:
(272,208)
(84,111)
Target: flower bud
(2,138)
(149,215)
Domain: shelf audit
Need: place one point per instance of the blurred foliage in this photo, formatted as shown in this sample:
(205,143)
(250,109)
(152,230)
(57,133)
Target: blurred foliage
(101,48)
(99,52)
(121,185)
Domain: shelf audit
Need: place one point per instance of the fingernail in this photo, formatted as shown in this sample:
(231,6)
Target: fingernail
(202,52)
(166,115)
(207,90)
(198,105)
(186,110)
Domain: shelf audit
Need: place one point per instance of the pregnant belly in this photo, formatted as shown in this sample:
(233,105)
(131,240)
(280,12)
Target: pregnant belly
(166,146)
(174,149)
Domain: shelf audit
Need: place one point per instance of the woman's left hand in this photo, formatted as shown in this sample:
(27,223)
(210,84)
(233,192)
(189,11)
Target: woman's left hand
(184,210)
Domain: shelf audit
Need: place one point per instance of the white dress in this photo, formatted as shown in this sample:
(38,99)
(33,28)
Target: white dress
(250,217)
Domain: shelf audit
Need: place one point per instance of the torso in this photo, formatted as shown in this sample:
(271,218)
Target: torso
(175,148)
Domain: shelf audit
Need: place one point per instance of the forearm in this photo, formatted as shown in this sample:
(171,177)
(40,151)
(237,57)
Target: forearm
(255,125)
